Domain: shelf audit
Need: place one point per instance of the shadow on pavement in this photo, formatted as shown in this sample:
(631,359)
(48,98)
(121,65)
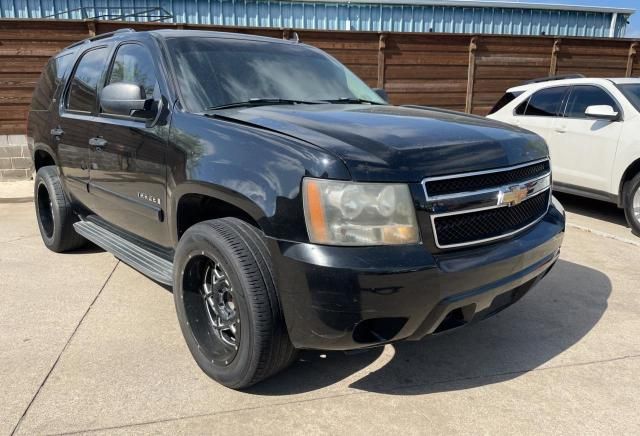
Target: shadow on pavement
(554,316)
(597,209)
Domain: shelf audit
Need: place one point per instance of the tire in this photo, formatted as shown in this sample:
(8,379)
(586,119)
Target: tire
(53,212)
(233,325)
(632,203)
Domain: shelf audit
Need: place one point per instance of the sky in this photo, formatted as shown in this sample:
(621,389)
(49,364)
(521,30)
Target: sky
(634,28)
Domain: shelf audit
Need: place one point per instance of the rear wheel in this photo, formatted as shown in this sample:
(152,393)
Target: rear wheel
(227,303)
(54,213)
(632,203)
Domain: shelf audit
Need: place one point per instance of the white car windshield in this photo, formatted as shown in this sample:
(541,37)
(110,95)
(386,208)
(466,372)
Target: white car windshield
(632,92)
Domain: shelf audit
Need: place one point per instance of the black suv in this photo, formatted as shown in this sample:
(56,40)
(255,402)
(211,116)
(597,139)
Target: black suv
(287,204)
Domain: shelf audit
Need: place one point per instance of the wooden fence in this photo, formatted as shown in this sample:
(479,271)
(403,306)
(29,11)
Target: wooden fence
(461,72)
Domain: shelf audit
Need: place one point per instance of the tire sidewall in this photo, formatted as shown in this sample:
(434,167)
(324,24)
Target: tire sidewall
(45,177)
(631,188)
(200,241)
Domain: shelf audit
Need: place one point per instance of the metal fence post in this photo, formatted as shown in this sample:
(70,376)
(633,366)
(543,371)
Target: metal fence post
(382,44)
(553,68)
(633,50)
(471,74)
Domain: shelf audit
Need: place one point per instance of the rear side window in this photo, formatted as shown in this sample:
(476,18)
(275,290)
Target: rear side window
(584,96)
(84,84)
(133,64)
(505,100)
(545,103)
(49,81)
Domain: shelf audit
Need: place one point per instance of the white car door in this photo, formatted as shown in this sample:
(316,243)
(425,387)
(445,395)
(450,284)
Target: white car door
(585,148)
(541,113)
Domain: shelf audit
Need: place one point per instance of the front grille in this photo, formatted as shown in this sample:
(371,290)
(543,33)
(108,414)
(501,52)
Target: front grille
(485,180)
(489,224)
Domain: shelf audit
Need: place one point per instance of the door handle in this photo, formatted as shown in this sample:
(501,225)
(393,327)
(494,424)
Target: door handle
(98,142)
(561,129)
(57,132)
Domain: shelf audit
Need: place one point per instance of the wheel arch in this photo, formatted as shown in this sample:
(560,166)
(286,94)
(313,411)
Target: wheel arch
(43,156)
(194,202)
(628,174)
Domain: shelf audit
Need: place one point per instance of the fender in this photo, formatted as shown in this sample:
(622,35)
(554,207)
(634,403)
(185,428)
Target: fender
(255,170)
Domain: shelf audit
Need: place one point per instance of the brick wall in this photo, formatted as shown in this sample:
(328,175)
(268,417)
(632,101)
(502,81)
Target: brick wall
(15,163)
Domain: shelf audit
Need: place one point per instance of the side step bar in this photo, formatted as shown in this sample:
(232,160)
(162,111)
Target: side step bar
(144,261)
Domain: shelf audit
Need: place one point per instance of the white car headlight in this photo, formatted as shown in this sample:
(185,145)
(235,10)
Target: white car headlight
(350,213)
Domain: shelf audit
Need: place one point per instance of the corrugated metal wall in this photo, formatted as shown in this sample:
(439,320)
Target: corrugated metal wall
(333,16)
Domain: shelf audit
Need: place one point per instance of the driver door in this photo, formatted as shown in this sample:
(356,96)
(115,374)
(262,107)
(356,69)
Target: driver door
(128,155)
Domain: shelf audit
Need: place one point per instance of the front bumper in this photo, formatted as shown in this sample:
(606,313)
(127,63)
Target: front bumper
(342,298)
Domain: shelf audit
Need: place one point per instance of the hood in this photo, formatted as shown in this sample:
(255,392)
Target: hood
(403,144)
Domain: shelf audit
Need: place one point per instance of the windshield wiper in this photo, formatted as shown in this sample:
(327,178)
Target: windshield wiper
(351,100)
(260,102)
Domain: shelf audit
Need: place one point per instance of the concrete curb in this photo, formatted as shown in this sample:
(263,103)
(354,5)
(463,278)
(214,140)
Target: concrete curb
(604,234)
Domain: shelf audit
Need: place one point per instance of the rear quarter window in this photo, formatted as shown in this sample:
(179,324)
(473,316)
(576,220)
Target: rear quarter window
(507,98)
(49,81)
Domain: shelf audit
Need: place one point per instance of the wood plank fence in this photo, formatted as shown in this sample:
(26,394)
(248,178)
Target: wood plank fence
(460,72)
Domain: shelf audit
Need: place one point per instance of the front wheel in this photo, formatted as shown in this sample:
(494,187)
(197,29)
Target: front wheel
(632,203)
(227,303)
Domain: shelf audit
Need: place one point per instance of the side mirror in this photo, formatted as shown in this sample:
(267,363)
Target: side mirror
(382,94)
(604,112)
(126,99)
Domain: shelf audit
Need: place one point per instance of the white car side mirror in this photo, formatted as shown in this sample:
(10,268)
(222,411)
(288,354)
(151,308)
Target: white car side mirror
(604,112)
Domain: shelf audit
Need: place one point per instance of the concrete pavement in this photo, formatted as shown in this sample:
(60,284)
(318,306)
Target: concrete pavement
(89,345)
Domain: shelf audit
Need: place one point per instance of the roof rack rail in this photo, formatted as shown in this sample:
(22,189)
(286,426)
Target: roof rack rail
(100,36)
(551,78)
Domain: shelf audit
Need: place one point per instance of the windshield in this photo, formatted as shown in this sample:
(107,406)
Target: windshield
(215,72)
(632,92)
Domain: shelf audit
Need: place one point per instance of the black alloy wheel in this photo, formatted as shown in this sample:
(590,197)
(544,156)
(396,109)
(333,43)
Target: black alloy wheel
(210,301)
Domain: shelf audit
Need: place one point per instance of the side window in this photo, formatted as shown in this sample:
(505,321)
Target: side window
(133,64)
(49,82)
(546,102)
(584,96)
(84,84)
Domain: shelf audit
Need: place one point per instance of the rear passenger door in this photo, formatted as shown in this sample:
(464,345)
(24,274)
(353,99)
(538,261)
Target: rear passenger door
(127,153)
(541,114)
(74,125)
(586,147)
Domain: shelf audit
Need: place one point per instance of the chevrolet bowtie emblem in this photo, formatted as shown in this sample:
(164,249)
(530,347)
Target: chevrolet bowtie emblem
(513,196)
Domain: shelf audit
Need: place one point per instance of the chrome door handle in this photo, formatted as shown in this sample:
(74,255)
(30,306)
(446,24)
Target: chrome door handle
(57,132)
(98,142)
(561,130)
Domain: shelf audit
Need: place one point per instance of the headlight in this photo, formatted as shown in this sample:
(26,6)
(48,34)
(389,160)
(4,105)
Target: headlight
(349,213)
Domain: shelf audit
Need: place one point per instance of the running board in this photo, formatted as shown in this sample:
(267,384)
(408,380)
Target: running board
(156,267)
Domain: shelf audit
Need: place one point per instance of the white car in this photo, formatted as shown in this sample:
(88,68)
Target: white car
(592,127)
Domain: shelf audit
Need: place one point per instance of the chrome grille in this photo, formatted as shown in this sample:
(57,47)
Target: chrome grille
(486,180)
(506,201)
